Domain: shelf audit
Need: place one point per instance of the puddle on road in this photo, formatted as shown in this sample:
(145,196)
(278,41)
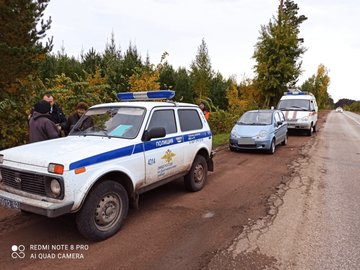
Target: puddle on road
(208,215)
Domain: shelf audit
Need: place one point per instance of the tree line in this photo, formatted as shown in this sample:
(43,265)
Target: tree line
(29,69)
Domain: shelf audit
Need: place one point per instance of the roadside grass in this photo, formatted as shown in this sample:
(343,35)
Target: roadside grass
(220,139)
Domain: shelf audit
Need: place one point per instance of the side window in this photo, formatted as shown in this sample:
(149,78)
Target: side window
(189,120)
(165,119)
(277,117)
(282,117)
(312,105)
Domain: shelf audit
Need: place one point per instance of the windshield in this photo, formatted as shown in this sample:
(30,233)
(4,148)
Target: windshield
(123,122)
(294,105)
(256,118)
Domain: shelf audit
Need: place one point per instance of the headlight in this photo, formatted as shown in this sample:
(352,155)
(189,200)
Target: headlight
(262,134)
(234,134)
(56,168)
(55,187)
(305,119)
(1,159)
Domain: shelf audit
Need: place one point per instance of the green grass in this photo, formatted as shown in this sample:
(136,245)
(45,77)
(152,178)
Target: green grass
(220,139)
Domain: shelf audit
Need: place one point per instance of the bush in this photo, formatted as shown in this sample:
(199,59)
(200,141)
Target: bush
(222,121)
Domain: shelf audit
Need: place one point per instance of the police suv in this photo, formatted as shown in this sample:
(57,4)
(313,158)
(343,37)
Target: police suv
(300,110)
(114,153)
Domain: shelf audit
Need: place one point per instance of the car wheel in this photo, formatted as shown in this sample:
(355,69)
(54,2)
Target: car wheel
(314,128)
(285,141)
(309,131)
(26,213)
(103,212)
(195,180)
(232,149)
(272,147)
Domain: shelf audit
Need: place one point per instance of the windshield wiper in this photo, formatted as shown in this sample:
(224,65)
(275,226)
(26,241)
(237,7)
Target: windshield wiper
(105,132)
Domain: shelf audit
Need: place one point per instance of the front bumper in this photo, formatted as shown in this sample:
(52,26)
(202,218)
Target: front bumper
(256,145)
(299,125)
(45,208)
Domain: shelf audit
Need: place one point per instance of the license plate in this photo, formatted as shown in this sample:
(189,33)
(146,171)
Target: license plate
(246,141)
(9,203)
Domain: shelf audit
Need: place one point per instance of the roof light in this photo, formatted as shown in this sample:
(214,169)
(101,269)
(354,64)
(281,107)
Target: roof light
(146,95)
(295,92)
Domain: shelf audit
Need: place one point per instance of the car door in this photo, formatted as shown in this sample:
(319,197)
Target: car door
(280,130)
(164,157)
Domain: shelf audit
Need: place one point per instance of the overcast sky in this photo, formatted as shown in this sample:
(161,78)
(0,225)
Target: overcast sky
(230,29)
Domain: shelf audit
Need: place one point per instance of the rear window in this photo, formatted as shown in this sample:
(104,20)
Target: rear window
(189,120)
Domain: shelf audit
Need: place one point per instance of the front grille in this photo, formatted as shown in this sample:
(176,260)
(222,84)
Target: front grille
(29,182)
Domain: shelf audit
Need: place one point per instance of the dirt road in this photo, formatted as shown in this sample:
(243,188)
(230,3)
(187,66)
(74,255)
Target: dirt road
(173,229)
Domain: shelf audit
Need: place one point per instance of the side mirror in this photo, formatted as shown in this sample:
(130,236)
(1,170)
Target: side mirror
(279,123)
(156,132)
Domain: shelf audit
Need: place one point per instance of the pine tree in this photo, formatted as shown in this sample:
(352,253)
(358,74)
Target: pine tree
(112,64)
(218,91)
(91,61)
(21,29)
(182,87)
(167,76)
(201,72)
(130,63)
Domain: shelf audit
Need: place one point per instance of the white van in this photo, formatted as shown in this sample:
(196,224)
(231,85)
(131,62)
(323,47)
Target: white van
(300,110)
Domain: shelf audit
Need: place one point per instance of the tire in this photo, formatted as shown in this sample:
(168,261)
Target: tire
(285,141)
(232,149)
(196,178)
(309,131)
(314,128)
(103,212)
(272,147)
(26,213)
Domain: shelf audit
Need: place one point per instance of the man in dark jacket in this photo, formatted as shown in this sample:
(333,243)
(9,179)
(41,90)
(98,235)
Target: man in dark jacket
(81,108)
(41,128)
(56,114)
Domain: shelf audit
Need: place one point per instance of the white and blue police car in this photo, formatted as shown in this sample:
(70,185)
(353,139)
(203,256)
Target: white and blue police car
(113,154)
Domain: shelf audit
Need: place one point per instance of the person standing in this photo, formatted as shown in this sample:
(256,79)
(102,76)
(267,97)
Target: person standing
(81,108)
(56,114)
(204,110)
(41,128)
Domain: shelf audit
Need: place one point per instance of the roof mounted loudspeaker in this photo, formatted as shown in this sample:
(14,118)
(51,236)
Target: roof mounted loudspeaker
(147,95)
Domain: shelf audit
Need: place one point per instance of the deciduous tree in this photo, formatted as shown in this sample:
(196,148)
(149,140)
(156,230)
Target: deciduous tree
(278,52)
(318,85)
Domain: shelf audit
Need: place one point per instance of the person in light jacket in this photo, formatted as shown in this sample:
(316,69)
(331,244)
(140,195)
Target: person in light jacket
(41,128)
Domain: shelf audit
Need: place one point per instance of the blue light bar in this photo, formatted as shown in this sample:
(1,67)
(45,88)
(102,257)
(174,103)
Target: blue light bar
(294,93)
(146,95)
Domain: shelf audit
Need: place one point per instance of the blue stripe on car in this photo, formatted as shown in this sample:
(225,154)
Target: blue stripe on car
(121,152)
(138,148)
